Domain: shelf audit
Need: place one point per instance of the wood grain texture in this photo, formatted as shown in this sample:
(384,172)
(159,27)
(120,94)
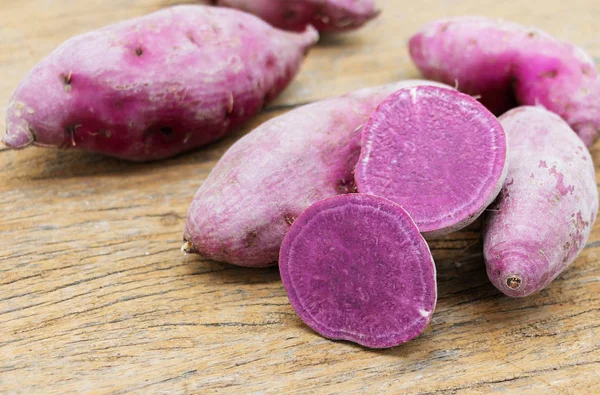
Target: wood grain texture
(95,296)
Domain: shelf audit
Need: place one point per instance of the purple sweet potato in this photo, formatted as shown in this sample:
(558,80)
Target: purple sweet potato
(508,65)
(266,179)
(152,87)
(325,15)
(356,268)
(545,212)
(437,152)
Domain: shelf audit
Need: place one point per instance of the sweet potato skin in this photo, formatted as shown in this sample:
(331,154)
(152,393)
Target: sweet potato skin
(152,87)
(243,210)
(508,64)
(545,212)
(295,15)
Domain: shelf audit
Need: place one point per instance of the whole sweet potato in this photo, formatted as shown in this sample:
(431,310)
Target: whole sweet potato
(547,206)
(264,181)
(325,15)
(155,86)
(508,65)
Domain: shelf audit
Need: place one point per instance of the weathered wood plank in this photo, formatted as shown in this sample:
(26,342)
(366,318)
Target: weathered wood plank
(95,295)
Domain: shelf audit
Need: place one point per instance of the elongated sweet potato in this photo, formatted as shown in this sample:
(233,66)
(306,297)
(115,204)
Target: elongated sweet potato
(264,181)
(436,152)
(325,15)
(356,268)
(508,65)
(155,86)
(545,212)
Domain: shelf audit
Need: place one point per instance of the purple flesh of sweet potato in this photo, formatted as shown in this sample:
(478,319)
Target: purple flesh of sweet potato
(544,214)
(264,181)
(152,87)
(324,15)
(508,64)
(436,152)
(356,268)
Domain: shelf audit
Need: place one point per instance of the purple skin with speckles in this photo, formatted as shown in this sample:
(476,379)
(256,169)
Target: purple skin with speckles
(544,215)
(266,179)
(153,87)
(356,268)
(508,65)
(324,15)
(438,153)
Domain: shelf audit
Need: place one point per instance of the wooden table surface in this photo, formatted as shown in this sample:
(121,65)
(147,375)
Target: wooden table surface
(96,297)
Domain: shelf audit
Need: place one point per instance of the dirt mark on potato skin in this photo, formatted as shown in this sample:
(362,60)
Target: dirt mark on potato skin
(251,238)
(560,183)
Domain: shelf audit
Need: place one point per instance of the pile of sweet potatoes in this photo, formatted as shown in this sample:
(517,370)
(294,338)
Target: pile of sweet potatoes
(344,192)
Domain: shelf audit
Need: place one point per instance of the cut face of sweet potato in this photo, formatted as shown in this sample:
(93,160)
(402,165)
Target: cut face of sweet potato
(356,268)
(436,152)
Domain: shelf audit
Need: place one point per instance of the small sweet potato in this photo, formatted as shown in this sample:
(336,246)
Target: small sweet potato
(356,268)
(152,87)
(546,209)
(325,15)
(508,65)
(264,181)
(436,152)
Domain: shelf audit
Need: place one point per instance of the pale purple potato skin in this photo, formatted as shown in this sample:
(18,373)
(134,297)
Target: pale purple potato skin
(545,212)
(508,64)
(269,177)
(436,152)
(295,15)
(356,268)
(153,87)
